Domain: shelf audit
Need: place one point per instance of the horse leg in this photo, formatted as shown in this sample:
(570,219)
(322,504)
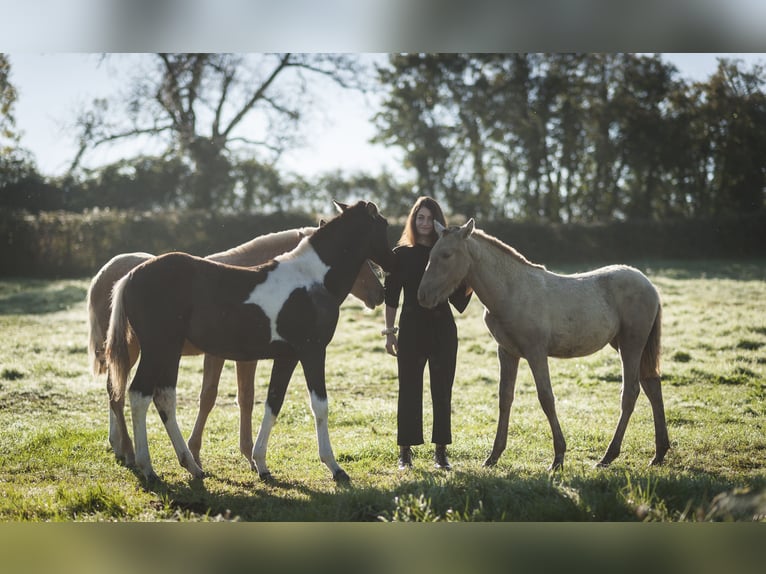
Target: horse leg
(629,394)
(509,367)
(281,372)
(211,375)
(139,404)
(165,402)
(156,378)
(653,391)
(119,438)
(314,370)
(245,400)
(541,374)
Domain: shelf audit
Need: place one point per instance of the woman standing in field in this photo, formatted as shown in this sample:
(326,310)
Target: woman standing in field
(425,336)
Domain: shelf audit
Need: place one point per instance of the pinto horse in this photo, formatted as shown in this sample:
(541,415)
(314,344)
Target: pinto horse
(286,310)
(533,314)
(367,288)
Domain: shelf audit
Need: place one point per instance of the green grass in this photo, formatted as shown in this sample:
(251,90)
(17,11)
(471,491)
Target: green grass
(55,465)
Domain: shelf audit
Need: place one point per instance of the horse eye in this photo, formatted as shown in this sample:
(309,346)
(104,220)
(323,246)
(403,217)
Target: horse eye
(446,255)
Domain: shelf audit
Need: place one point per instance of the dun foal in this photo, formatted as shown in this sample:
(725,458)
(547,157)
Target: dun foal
(535,314)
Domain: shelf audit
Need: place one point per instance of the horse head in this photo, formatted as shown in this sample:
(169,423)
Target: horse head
(448,264)
(376,227)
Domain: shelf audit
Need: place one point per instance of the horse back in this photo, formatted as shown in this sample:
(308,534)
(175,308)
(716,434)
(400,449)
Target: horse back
(629,290)
(165,292)
(262,249)
(177,297)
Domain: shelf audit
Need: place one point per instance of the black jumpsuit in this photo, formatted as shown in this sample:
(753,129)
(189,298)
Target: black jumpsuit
(425,335)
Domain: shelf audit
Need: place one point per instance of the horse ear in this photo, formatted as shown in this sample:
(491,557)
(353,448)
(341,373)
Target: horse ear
(468,228)
(372,209)
(439,228)
(341,207)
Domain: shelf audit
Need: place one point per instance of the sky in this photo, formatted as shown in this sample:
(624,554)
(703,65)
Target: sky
(52,87)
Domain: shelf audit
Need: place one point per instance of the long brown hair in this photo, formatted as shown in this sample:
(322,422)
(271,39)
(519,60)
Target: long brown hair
(410,232)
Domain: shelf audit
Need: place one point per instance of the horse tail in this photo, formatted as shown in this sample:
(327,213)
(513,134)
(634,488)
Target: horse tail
(650,358)
(117,339)
(96,335)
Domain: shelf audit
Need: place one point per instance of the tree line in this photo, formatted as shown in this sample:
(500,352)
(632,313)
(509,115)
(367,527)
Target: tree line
(532,137)
(578,137)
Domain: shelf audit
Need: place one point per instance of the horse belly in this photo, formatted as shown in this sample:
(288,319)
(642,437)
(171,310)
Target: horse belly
(235,332)
(582,334)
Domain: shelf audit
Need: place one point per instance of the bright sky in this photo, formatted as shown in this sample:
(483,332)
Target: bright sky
(52,87)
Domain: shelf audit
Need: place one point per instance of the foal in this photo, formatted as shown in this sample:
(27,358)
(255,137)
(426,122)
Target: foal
(535,314)
(367,288)
(286,310)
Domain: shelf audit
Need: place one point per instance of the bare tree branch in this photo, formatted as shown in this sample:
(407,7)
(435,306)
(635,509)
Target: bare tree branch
(204,99)
(259,93)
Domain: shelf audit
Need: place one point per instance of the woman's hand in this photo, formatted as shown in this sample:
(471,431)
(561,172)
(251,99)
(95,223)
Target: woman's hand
(392,345)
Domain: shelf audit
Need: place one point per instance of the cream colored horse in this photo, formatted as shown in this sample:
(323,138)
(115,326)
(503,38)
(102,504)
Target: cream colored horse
(367,288)
(535,314)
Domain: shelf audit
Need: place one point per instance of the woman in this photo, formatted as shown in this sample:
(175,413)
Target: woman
(425,336)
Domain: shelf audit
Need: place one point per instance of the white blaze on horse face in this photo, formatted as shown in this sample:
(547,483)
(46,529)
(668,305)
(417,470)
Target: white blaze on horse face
(301,268)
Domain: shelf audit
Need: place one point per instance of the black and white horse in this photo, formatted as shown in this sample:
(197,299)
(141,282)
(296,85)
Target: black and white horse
(285,310)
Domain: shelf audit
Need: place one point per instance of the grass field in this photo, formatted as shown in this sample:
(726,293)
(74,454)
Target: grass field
(55,465)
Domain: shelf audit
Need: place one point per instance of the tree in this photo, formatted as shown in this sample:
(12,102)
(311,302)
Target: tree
(641,105)
(21,186)
(8,135)
(199,107)
(577,137)
(735,110)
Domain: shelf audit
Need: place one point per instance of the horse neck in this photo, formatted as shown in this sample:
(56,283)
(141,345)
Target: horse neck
(340,246)
(495,274)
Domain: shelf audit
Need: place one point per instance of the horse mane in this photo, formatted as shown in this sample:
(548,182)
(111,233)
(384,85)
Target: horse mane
(505,248)
(262,242)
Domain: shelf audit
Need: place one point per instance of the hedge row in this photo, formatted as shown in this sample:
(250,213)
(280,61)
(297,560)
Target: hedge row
(724,238)
(59,244)
(62,244)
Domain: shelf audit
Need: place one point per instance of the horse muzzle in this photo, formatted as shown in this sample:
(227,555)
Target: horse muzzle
(426,300)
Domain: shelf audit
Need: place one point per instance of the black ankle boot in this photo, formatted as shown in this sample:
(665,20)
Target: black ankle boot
(405,457)
(440,457)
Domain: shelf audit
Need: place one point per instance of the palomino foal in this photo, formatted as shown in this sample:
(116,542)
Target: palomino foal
(535,314)
(286,310)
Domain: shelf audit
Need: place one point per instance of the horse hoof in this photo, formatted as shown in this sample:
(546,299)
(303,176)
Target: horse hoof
(125,460)
(266,476)
(556,465)
(490,462)
(341,476)
(605,462)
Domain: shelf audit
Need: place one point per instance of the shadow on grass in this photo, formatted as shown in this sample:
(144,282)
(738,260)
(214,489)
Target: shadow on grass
(464,496)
